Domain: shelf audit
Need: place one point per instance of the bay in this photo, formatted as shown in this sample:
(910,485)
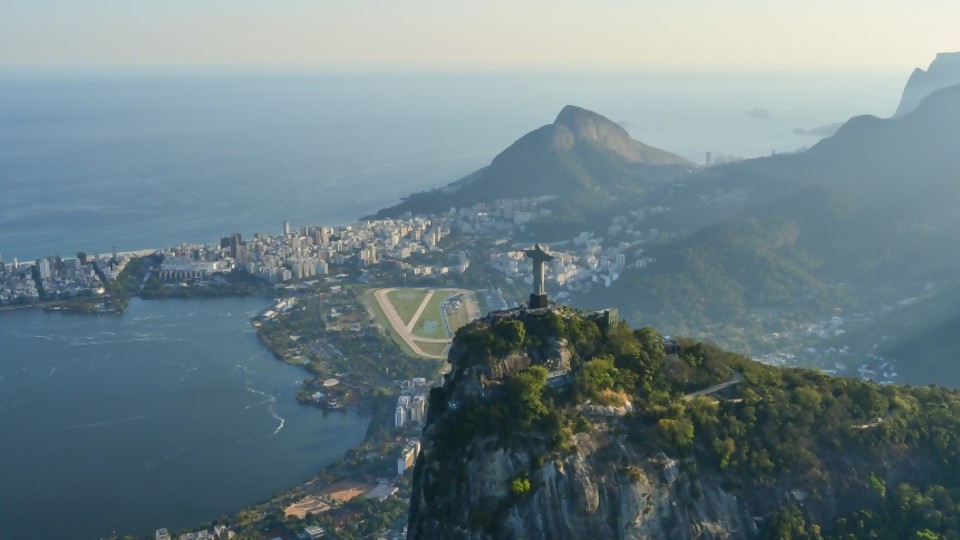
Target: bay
(170,415)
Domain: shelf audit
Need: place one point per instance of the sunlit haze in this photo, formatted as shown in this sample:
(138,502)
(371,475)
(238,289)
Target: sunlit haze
(445,269)
(473,34)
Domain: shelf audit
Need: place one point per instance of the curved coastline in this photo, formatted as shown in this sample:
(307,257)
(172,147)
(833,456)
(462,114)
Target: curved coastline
(166,371)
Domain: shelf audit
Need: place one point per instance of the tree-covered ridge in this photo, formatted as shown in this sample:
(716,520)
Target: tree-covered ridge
(871,210)
(862,460)
(722,274)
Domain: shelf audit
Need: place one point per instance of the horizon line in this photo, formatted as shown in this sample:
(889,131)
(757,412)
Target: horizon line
(458,69)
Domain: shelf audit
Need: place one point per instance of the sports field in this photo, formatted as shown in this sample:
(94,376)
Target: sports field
(431,323)
(406,302)
(423,321)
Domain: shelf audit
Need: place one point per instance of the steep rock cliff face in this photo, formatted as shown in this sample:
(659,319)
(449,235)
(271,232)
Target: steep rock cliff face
(605,489)
(602,486)
(944,71)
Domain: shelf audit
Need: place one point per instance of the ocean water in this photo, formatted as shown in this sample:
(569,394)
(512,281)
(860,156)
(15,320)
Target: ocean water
(168,416)
(142,159)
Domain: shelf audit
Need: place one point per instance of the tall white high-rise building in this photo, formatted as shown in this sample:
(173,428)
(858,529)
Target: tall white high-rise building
(43,266)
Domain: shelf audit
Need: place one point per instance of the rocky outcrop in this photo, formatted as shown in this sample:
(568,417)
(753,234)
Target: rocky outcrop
(596,470)
(601,486)
(604,489)
(575,124)
(944,71)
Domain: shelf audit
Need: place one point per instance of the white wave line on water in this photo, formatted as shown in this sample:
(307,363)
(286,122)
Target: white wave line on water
(107,422)
(276,417)
(84,344)
(271,400)
(175,452)
(246,369)
(149,317)
(52,371)
(261,393)
(145,338)
(187,373)
(264,402)
(279,427)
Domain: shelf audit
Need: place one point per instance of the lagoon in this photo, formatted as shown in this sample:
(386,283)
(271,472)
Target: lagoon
(169,415)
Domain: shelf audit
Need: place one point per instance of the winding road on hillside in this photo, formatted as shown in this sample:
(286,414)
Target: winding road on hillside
(737,377)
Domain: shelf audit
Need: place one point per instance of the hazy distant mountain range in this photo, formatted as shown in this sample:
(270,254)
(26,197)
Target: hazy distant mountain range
(944,71)
(862,221)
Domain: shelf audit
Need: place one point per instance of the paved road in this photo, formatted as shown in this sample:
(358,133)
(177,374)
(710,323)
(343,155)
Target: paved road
(737,377)
(470,302)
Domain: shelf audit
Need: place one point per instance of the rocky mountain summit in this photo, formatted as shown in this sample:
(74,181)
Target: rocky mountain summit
(575,125)
(944,71)
(553,424)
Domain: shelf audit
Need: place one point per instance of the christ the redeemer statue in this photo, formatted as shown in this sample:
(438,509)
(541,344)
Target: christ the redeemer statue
(538,299)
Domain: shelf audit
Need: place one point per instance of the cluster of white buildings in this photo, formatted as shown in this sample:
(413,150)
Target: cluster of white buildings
(577,265)
(219,532)
(581,263)
(280,305)
(410,409)
(412,403)
(17,284)
(178,267)
(58,277)
(408,456)
(309,251)
(312,532)
(496,218)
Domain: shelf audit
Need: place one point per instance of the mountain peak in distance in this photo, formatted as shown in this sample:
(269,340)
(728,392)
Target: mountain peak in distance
(576,124)
(581,155)
(944,71)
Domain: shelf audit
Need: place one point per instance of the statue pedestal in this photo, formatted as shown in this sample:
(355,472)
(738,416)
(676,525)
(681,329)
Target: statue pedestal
(538,301)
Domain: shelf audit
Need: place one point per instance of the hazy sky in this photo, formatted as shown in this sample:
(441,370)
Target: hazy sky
(481,34)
